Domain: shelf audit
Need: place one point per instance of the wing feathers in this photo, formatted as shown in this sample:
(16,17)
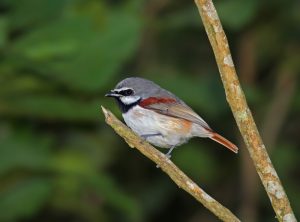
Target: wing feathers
(171,107)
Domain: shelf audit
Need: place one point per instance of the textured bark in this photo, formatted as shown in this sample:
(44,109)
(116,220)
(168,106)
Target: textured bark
(169,168)
(242,113)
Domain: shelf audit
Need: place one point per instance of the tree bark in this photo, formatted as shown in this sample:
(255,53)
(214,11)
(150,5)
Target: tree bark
(237,101)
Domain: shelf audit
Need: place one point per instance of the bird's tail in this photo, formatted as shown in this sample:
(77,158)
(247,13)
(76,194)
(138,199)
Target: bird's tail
(220,139)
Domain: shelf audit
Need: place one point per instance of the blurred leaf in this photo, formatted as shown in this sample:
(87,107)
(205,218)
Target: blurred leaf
(72,168)
(22,150)
(3,31)
(100,147)
(72,162)
(285,156)
(267,52)
(104,54)
(235,13)
(51,107)
(198,162)
(80,173)
(183,18)
(29,12)
(91,52)
(255,95)
(22,84)
(23,199)
(117,198)
(55,39)
(160,191)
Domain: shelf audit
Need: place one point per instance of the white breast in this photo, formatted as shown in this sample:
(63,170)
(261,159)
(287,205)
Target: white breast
(143,121)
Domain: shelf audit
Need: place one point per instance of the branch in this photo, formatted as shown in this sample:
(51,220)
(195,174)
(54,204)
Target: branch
(236,99)
(169,168)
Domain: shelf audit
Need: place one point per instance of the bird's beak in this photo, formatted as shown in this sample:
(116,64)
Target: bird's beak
(112,93)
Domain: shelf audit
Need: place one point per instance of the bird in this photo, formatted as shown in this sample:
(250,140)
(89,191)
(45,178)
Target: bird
(160,117)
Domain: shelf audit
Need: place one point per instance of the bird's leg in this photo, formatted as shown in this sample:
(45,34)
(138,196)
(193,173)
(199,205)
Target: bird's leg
(168,154)
(146,136)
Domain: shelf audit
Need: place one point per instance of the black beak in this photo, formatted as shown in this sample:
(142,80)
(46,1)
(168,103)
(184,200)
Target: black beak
(112,93)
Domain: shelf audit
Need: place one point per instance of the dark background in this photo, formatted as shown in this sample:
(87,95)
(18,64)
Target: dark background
(59,161)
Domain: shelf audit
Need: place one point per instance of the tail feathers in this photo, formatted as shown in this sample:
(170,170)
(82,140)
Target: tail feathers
(220,139)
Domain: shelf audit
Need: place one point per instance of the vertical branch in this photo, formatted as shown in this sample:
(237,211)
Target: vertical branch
(242,113)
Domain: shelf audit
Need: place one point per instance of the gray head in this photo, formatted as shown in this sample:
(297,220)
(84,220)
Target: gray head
(134,89)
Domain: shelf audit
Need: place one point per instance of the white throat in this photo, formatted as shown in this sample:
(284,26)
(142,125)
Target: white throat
(127,100)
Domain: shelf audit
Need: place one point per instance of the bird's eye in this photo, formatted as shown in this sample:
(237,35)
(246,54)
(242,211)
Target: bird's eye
(127,92)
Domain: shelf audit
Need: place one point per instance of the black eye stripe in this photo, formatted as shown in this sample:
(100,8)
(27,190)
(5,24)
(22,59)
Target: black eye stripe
(126,92)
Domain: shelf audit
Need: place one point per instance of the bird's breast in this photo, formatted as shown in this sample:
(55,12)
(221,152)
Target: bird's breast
(143,121)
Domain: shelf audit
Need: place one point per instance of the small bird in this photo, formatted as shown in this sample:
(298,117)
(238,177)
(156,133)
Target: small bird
(159,116)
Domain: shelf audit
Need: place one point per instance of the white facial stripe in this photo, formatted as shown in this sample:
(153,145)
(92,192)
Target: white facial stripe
(121,89)
(129,99)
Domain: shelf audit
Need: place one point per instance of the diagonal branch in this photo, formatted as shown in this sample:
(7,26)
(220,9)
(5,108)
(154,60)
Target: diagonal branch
(242,113)
(169,168)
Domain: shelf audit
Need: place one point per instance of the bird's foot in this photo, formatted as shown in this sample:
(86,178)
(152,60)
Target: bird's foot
(168,154)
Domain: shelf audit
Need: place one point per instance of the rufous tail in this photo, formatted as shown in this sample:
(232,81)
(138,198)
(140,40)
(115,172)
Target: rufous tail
(220,139)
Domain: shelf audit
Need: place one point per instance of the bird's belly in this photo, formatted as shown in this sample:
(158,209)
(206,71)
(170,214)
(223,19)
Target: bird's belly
(173,131)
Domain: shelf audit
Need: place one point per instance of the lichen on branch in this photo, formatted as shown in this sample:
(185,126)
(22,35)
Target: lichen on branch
(237,101)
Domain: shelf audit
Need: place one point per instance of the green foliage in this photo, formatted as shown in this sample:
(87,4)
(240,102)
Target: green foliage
(201,164)
(51,107)
(23,199)
(237,14)
(19,151)
(76,48)
(22,196)
(3,31)
(63,54)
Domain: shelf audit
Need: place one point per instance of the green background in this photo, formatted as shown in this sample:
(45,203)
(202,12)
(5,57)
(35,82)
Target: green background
(59,161)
